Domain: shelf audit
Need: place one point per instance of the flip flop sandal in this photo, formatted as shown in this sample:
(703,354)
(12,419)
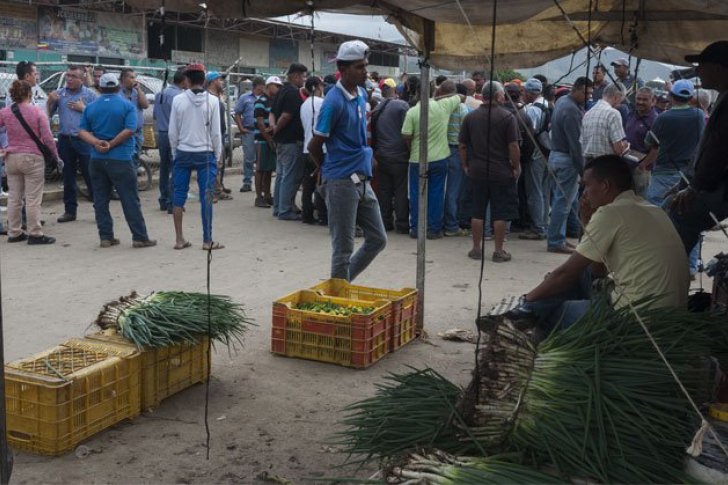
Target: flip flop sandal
(184,246)
(214,246)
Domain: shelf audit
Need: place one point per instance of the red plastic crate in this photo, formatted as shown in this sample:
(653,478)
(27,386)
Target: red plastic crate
(356,340)
(401,329)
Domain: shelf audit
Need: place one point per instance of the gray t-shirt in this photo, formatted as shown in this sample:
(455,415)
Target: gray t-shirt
(388,118)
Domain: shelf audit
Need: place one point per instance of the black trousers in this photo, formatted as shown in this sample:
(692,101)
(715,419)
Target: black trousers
(392,176)
(310,198)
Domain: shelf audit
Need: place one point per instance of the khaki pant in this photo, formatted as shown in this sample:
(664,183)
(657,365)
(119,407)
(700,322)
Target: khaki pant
(26,176)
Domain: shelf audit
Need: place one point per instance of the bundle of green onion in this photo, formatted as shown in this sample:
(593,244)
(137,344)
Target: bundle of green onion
(595,400)
(436,467)
(171,317)
(408,411)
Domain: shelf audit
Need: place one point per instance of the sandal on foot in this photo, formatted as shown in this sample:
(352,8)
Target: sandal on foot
(213,246)
(184,245)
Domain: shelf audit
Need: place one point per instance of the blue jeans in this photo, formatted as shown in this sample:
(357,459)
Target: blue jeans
(660,183)
(165,170)
(249,156)
(289,173)
(565,309)
(75,154)
(349,205)
(564,194)
(436,175)
(454,182)
(465,202)
(119,175)
(537,186)
(204,164)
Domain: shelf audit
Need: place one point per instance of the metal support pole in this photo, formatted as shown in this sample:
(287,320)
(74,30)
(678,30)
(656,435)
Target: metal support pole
(231,138)
(6,457)
(422,191)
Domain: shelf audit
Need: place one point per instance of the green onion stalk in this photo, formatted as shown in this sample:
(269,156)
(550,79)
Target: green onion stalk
(172,317)
(595,400)
(439,468)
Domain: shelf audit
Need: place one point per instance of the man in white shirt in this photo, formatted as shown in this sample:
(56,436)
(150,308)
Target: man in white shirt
(310,198)
(196,141)
(602,131)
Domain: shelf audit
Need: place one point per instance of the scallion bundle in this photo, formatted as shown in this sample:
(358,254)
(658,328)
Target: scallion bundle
(172,317)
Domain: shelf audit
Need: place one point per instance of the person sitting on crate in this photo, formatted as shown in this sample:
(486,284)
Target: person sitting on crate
(346,170)
(643,262)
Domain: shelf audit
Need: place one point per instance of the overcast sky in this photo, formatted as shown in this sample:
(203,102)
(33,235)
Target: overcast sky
(372,27)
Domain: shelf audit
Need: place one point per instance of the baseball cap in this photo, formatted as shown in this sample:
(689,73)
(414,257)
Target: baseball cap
(390,82)
(273,80)
(533,85)
(212,75)
(109,80)
(621,62)
(716,53)
(195,67)
(353,50)
(683,89)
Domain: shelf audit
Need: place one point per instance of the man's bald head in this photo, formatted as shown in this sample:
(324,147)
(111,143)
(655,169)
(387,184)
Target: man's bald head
(470,86)
(446,88)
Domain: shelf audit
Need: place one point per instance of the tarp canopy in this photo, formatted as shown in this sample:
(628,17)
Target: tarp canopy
(529,32)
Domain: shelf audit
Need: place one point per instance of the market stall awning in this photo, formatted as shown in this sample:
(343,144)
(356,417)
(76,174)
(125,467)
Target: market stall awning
(529,32)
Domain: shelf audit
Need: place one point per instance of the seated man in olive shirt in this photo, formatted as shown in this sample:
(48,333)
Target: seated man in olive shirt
(643,264)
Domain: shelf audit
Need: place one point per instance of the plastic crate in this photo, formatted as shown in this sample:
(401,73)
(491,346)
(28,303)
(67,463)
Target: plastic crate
(166,370)
(404,306)
(56,399)
(356,340)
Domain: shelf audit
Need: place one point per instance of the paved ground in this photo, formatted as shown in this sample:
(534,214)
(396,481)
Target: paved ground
(267,413)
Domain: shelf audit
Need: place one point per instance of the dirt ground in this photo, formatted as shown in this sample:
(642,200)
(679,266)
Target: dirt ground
(268,414)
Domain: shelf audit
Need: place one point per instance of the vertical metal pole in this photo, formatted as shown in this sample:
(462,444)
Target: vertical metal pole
(422,191)
(231,138)
(6,457)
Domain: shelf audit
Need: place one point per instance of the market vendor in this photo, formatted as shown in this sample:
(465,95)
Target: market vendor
(626,237)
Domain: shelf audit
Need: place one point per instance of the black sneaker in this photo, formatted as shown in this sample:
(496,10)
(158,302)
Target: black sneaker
(261,202)
(41,240)
(246,188)
(19,238)
(434,235)
(66,217)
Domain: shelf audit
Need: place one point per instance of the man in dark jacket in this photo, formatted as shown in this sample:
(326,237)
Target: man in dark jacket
(703,204)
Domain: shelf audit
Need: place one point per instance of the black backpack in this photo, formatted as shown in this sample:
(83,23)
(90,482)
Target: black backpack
(542,133)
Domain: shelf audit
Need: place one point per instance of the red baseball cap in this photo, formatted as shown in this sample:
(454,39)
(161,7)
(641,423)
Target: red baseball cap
(195,67)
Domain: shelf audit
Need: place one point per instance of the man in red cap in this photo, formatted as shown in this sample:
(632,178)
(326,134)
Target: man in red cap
(704,202)
(196,140)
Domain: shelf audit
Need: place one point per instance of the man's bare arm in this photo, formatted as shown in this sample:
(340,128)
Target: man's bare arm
(561,279)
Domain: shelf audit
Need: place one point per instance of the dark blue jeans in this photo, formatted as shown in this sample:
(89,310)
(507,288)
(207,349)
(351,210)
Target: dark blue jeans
(165,170)
(455,176)
(75,154)
(566,309)
(436,175)
(120,175)
(206,167)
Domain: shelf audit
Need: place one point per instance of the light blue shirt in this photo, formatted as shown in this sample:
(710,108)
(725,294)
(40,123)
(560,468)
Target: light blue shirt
(69,118)
(245,107)
(163,106)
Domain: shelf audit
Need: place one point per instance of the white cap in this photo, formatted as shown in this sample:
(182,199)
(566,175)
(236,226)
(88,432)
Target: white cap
(353,50)
(109,80)
(273,80)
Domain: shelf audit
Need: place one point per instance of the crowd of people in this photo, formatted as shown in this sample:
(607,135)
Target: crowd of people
(502,157)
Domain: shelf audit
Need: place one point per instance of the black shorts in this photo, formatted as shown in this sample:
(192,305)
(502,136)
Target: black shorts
(502,197)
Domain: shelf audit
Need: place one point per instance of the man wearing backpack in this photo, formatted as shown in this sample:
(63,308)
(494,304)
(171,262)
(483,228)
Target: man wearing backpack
(536,172)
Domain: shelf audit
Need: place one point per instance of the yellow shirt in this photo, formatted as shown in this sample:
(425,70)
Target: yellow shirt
(640,246)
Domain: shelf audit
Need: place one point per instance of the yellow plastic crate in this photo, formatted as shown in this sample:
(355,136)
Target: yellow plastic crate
(404,306)
(355,340)
(166,370)
(58,398)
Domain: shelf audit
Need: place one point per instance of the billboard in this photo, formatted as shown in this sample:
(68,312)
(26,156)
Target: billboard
(75,31)
(18,26)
